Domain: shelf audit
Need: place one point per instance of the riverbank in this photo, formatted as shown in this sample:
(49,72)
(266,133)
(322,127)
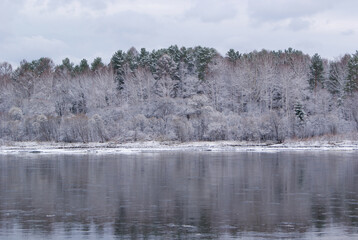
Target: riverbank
(155,146)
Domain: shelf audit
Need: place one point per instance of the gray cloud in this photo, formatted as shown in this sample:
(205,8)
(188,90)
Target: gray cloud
(348,32)
(213,10)
(298,24)
(93,4)
(275,10)
(86,29)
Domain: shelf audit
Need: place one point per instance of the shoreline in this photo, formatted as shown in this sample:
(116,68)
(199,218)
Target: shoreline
(156,146)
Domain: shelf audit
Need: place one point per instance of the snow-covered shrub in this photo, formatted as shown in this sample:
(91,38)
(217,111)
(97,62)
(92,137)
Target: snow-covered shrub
(98,131)
(75,128)
(15,113)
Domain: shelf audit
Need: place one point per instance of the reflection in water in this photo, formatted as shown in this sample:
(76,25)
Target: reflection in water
(180,195)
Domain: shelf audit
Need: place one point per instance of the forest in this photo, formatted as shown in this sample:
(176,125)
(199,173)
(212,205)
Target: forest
(181,94)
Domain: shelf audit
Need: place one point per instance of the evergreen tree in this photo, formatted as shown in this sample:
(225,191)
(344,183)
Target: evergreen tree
(41,66)
(204,56)
(66,68)
(118,62)
(233,55)
(154,57)
(188,57)
(300,114)
(84,67)
(175,53)
(316,72)
(132,58)
(97,64)
(67,64)
(144,58)
(352,79)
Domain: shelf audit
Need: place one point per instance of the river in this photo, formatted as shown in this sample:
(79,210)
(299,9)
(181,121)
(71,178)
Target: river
(180,195)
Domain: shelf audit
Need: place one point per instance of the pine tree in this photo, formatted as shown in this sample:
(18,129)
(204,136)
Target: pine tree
(153,59)
(41,66)
(352,79)
(175,53)
(67,65)
(203,58)
(233,55)
(143,59)
(97,64)
(84,67)
(132,57)
(189,58)
(316,77)
(300,114)
(118,62)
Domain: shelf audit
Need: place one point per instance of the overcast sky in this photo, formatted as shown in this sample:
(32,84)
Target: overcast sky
(78,29)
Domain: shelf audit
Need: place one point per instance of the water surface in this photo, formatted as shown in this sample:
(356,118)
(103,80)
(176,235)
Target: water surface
(285,195)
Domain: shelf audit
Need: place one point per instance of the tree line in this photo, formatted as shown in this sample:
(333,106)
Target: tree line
(180,94)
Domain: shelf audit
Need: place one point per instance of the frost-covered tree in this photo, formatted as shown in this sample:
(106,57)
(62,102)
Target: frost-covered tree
(15,113)
(5,75)
(98,131)
(338,74)
(167,77)
(179,94)
(175,53)
(5,69)
(23,80)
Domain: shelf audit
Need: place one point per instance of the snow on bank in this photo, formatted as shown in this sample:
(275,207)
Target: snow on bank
(153,146)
